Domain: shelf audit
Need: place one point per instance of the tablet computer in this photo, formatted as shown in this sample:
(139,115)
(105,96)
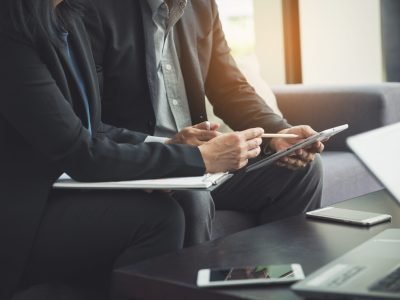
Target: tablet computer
(321,136)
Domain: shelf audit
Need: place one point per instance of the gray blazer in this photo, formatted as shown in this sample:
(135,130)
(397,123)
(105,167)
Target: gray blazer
(117,35)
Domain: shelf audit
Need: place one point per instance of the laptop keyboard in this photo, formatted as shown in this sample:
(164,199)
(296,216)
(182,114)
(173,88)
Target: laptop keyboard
(390,283)
(345,276)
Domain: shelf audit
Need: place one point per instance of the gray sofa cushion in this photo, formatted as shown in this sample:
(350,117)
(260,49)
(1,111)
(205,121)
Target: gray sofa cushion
(363,107)
(345,177)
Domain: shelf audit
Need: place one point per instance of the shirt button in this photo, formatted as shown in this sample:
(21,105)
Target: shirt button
(175,102)
(168,67)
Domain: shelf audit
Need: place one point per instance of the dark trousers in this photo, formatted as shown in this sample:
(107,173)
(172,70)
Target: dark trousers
(199,211)
(271,193)
(85,235)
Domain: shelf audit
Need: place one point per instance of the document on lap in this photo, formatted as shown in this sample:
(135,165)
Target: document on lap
(208,181)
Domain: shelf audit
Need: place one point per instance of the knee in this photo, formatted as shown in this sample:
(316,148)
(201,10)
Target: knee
(195,204)
(316,169)
(314,178)
(312,175)
(172,216)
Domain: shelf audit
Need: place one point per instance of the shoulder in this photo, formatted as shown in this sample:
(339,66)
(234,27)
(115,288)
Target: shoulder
(203,7)
(14,45)
(204,13)
(9,35)
(201,15)
(20,56)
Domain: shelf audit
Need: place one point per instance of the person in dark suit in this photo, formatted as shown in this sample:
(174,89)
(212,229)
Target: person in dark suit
(157,61)
(49,124)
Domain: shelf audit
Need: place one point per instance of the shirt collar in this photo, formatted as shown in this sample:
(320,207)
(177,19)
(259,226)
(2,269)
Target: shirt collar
(155,4)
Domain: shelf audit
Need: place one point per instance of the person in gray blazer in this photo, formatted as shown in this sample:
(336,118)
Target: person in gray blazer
(50,123)
(157,61)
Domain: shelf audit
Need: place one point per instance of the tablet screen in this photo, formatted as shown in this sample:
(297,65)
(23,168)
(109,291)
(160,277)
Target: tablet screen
(321,136)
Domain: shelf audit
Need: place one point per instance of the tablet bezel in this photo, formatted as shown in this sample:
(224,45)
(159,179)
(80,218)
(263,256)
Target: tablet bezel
(321,136)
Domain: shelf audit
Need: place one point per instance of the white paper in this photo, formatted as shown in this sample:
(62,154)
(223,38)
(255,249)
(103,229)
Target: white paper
(200,182)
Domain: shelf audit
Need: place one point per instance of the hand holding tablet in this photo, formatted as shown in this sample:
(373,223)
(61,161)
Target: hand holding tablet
(301,157)
(302,144)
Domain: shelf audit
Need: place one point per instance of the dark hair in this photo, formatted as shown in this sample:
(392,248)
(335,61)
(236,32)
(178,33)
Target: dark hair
(39,19)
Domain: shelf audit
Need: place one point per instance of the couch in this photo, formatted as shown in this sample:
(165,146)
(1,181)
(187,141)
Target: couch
(363,107)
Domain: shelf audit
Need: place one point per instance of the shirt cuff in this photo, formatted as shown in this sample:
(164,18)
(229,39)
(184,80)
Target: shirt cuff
(155,139)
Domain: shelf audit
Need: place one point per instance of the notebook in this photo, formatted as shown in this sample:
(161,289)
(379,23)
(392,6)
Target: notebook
(208,181)
(372,270)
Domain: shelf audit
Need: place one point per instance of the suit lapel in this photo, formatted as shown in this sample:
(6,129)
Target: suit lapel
(67,70)
(84,56)
(150,67)
(85,61)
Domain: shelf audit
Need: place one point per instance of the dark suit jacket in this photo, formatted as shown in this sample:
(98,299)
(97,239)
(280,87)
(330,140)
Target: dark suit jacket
(41,136)
(117,34)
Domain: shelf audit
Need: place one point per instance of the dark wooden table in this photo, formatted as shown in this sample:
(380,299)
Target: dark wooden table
(311,243)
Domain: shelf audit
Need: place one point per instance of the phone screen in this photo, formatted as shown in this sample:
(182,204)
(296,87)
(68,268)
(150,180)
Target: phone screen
(248,275)
(252,272)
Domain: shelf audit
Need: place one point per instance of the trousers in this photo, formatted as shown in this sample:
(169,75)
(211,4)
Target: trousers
(270,193)
(84,235)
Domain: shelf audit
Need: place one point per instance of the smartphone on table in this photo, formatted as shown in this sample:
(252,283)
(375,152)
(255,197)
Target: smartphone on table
(349,216)
(249,275)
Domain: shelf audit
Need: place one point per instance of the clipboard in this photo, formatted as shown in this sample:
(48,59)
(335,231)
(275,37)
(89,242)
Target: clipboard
(321,136)
(205,182)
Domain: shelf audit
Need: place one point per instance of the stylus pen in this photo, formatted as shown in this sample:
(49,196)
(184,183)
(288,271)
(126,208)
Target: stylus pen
(280,135)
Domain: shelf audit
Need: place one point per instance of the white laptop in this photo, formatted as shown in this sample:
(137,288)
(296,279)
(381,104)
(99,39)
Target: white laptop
(372,270)
(379,150)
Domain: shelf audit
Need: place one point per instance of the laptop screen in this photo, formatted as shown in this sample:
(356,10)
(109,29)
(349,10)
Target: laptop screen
(379,150)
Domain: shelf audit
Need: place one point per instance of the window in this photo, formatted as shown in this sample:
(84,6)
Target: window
(237,17)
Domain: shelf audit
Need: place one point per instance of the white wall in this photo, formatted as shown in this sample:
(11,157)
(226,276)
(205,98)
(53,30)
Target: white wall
(341,41)
(269,40)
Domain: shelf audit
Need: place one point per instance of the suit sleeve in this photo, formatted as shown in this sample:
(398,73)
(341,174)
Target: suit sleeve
(122,135)
(34,107)
(232,97)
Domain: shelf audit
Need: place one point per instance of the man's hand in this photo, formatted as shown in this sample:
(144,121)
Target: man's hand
(231,151)
(301,157)
(196,135)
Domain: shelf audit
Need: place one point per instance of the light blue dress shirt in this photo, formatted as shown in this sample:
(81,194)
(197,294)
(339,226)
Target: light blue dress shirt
(167,87)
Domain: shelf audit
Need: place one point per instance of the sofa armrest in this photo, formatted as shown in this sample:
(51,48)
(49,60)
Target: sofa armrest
(363,107)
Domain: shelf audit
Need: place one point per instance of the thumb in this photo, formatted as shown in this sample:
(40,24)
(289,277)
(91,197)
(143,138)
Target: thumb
(214,126)
(203,125)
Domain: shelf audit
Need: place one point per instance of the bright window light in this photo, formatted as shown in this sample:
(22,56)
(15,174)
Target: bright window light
(237,17)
